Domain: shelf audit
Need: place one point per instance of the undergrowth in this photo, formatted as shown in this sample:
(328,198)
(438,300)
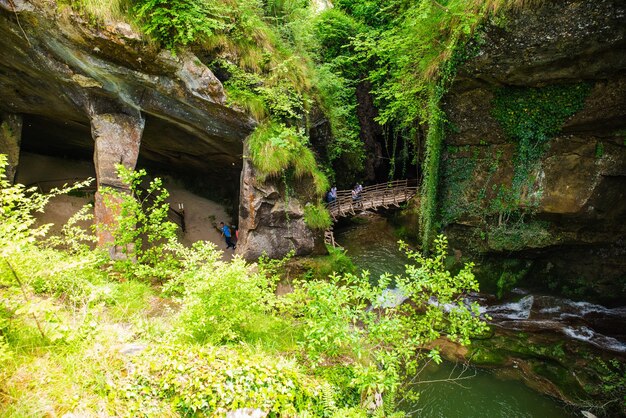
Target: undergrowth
(317,216)
(83,334)
(275,148)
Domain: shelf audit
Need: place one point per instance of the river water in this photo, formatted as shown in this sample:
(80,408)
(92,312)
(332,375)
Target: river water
(373,246)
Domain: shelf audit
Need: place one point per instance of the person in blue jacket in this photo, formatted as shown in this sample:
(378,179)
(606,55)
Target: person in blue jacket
(227,235)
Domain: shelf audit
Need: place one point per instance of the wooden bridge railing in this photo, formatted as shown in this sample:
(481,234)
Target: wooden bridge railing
(373,197)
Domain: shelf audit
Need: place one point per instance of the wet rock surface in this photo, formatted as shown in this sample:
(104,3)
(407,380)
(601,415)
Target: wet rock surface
(576,207)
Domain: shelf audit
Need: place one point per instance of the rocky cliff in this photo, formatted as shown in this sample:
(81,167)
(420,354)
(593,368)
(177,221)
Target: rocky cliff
(271,219)
(535,160)
(57,70)
(86,88)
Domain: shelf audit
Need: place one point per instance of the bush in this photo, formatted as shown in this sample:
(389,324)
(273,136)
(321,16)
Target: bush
(223,301)
(347,322)
(317,217)
(143,230)
(211,381)
(176,23)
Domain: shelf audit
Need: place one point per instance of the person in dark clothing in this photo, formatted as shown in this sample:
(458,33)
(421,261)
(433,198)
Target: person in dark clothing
(227,235)
(332,194)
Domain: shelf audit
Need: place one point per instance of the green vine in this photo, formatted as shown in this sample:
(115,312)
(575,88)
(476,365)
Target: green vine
(530,117)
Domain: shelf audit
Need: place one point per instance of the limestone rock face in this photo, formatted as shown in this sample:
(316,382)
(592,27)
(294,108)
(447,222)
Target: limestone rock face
(577,201)
(270,223)
(56,69)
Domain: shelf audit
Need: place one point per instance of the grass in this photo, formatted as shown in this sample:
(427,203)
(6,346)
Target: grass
(316,216)
(102,10)
(275,148)
(130,300)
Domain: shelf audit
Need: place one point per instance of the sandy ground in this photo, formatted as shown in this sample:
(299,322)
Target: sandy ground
(200,213)
(202,217)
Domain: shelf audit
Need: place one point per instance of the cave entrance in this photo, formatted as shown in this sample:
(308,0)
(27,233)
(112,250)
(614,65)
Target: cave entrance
(202,180)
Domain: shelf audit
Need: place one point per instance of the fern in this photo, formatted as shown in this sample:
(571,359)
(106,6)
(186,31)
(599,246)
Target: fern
(328,399)
(176,23)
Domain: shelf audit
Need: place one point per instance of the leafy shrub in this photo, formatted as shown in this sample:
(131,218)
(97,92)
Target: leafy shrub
(177,23)
(346,317)
(74,238)
(211,381)
(316,216)
(335,30)
(142,229)
(223,301)
(17,208)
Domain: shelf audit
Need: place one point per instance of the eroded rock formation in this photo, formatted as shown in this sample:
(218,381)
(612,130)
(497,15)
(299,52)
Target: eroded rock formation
(117,140)
(271,223)
(10,140)
(84,88)
(101,89)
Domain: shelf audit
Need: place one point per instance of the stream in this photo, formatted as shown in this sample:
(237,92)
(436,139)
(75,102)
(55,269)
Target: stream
(493,392)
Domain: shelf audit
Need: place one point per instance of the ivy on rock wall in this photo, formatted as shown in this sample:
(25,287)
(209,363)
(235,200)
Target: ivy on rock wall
(530,117)
(411,51)
(477,181)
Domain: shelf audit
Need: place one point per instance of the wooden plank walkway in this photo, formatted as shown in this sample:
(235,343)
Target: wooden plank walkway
(383,195)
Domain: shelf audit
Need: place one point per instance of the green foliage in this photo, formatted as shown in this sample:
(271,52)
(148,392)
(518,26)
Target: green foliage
(531,117)
(347,342)
(613,383)
(507,281)
(275,148)
(386,348)
(317,216)
(101,10)
(142,229)
(430,183)
(599,149)
(18,206)
(74,238)
(457,183)
(515,236)
(338,99)
(208,381)
(410,51)
(222,301)
(335,30)
(176,23)
(262,96)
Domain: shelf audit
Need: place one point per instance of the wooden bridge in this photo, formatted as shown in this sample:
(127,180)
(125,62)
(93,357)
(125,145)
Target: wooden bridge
(373,197)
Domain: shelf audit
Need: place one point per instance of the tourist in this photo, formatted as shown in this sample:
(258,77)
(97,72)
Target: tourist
(234,232)
(355,194)
(332,195)
(227,235)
